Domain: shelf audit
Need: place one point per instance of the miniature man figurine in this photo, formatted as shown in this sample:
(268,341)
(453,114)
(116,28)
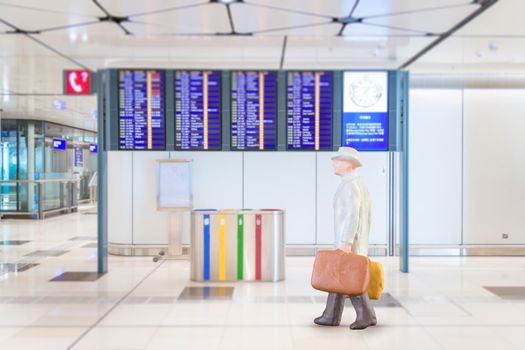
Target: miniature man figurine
(352,228)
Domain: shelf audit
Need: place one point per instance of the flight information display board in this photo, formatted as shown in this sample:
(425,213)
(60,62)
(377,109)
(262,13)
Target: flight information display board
(365,110)
(309,110)
(198,110)
(254,110)
(141,110)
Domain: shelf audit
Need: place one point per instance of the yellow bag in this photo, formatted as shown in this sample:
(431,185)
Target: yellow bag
(377,280)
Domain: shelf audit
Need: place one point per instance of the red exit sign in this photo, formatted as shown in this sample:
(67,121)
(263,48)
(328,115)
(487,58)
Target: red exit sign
(78,82)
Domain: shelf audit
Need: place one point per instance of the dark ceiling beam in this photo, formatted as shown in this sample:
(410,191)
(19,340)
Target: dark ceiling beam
(118,20)
(283,52)
(484,5)
(230,18)
(348,19)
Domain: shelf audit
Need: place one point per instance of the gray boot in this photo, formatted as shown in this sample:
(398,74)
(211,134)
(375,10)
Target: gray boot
(335,304)
(366,315)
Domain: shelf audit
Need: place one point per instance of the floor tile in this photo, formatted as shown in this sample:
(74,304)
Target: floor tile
(13,242)
(14,267)
(263,338)
(77,276)
(47,253)
(508,292)
(109,338)
(205,293)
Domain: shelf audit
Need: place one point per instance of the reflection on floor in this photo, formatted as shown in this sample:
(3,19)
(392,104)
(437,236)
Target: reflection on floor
(441,304)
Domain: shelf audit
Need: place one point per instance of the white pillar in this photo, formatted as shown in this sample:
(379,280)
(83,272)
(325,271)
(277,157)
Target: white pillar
(31,165)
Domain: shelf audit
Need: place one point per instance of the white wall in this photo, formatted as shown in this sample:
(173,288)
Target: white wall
(120,206)
(284,180)
(494,178)
(467,166)
(436,118)
(149,225)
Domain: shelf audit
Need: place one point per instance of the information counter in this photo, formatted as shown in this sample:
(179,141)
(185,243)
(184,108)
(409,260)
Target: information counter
(237,245)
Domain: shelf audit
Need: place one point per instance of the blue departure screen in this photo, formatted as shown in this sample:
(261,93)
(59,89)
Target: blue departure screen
(365,110)
(198,110)
(254,110)
(141,110)
(309,110)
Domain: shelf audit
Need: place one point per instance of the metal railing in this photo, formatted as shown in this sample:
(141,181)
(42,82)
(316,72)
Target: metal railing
(38,198)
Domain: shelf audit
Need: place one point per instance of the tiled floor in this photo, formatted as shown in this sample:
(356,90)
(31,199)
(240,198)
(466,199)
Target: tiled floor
(441,304)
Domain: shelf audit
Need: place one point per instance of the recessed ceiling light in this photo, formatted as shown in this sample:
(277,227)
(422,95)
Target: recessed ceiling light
(493,46)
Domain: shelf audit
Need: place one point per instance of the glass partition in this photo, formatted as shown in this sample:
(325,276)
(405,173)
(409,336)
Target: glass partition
(29,151)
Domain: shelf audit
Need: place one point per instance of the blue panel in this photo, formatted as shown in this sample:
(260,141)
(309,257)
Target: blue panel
(207,253)
(248,90)
(79,156)
(198,127)
(365,122)
(366,131)
(141,110)
(59,144)
(309,111)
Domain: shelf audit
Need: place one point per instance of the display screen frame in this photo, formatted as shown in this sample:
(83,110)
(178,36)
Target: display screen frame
(388,107)
(332,117)
(278,90)
(164,75)
(221,107)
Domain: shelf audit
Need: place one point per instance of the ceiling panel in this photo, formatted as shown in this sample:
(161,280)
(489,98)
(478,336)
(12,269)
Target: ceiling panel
(133,7)
(312,31)
(382,7)
(211,18)
(36,20)
(435,21)
(84,8)
(327,8)
(359,29)
(503,18)
(101,40)
(249,19)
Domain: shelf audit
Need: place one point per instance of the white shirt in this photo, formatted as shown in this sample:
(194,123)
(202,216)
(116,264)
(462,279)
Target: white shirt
(352,213)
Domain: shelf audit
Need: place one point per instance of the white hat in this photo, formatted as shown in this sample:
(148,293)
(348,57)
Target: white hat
(348,153)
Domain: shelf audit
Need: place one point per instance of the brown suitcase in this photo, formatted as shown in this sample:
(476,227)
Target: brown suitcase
(339,272)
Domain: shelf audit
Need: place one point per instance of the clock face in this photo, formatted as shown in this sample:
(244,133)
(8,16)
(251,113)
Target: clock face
(365,92)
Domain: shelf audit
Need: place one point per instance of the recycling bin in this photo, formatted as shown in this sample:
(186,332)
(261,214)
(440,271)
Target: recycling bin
(237,245)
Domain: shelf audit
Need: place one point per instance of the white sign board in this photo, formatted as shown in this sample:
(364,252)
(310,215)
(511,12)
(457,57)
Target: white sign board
(174,184)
